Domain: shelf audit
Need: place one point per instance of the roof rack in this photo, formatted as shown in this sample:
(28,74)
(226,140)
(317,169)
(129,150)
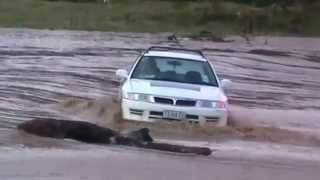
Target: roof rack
(166,48)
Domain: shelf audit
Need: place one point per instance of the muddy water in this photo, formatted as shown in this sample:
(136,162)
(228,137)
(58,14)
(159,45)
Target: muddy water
(40,69)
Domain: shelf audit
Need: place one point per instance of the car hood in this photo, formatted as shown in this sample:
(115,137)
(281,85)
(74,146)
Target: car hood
(173,89)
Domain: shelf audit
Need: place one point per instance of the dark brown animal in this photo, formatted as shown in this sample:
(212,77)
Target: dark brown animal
(120,140)
(78,130)
(141,135)
(91,133)
(178,148)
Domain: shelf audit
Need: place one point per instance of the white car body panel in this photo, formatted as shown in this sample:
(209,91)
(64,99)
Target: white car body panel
(174,89)
(149,107)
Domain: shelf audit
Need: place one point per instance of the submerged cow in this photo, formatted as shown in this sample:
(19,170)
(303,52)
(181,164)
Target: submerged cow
(91,133)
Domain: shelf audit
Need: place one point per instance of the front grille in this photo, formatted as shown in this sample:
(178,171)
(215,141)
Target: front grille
(189,116)
(136,112)
(163,100)
(194,122)
(212,119)
(185,103)
(170,101)
(156,113)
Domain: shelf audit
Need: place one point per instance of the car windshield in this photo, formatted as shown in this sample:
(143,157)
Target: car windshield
(175,70)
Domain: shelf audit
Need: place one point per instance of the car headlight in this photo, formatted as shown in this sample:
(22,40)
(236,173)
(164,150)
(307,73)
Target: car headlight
(212,104)
(138,97)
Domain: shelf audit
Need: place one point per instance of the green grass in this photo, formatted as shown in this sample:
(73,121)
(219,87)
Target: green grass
(143,16)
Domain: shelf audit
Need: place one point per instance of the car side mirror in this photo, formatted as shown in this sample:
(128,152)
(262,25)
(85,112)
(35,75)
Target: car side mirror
(122,74)
(225,83)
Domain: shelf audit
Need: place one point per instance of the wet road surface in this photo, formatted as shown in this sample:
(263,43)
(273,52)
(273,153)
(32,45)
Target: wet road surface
(122,164)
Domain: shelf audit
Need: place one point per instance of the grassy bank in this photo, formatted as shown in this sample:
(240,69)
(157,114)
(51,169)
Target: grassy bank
(155,16)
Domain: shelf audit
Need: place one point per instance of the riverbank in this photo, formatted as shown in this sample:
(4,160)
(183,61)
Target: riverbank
(158,16)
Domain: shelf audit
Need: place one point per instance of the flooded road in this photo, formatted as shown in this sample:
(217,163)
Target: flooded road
(41,68)
(276,84)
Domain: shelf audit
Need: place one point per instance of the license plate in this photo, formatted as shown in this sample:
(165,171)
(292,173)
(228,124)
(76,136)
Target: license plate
(174,115)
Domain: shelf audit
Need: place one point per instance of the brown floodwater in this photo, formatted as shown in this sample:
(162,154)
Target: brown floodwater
(274,84)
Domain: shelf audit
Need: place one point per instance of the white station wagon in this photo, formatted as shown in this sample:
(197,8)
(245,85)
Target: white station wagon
(173,84)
